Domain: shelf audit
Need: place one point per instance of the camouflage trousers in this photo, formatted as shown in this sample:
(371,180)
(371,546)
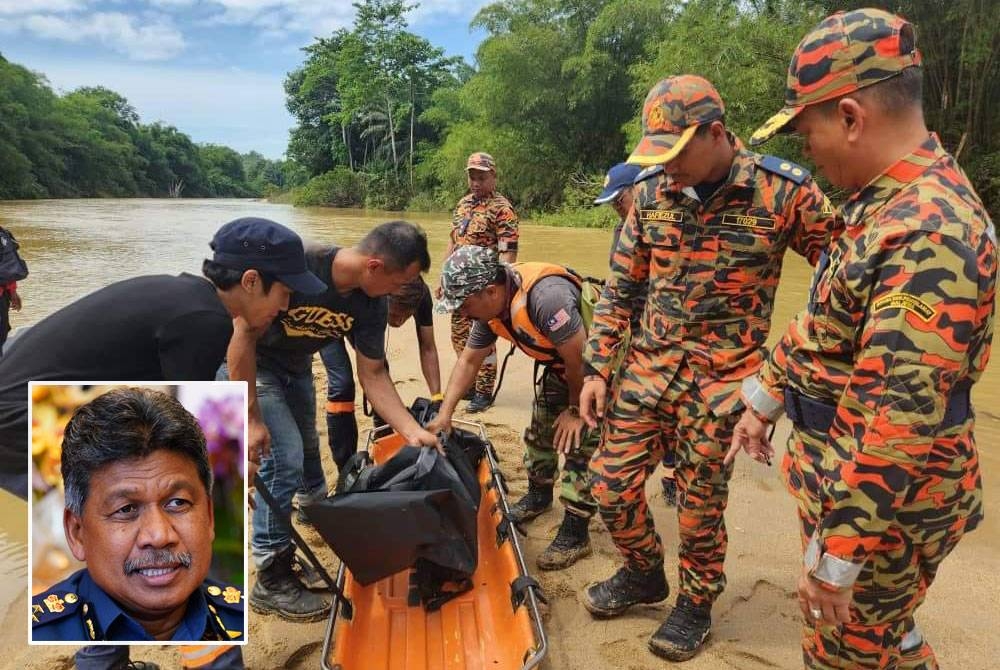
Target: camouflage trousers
(645,422)
(540,457)
(487,375)
(941,508)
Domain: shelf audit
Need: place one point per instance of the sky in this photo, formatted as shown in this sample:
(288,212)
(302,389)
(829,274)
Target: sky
(212,68)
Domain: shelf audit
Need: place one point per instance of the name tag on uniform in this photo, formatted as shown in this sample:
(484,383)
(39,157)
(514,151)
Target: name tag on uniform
(747,221)
(910,303)
(671,215)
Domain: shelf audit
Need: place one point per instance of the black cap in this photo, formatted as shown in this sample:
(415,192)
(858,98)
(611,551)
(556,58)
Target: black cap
(263,245)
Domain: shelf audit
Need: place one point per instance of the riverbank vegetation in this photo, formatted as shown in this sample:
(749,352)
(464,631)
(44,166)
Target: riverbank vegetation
(558,85)
(383,119)
(91,143)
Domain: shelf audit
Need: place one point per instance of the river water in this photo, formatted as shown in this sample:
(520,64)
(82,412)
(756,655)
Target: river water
(76,246)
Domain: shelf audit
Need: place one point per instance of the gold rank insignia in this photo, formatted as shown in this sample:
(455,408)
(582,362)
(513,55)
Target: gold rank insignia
(231,595)
(747,221)
(672,215)
(910,303)
(54,603)
(214,590)
(35,611)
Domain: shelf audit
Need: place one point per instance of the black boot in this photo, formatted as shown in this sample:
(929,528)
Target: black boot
(625,588)
(684,632)
(135,665)
(571,544)
(278,591)
(670,491)
(533,503)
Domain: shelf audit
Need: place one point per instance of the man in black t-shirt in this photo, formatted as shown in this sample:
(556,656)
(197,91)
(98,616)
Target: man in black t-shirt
(353,306)
(155,328)
(412,300)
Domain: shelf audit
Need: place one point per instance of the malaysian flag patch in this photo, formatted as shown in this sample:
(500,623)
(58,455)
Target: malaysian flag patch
(558,320)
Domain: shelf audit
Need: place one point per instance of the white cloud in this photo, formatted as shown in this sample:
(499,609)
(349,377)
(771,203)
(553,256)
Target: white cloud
(172,4)
(21,7)
(435,11)
(157,40)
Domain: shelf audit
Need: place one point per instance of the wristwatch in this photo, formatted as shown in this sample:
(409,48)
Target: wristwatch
(832,573)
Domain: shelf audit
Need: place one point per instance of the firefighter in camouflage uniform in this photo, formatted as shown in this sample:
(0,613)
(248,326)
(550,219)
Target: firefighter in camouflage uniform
(875,374)
(705,242)
(482,218)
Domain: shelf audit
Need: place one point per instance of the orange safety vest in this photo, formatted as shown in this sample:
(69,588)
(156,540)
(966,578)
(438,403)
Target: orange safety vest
(518,327)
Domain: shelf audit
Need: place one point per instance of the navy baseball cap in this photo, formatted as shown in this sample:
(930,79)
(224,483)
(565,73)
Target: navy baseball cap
(620,176)
(263,245)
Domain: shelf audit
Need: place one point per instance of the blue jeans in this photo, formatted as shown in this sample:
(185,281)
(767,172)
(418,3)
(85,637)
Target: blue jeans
(288,406)
(105,657)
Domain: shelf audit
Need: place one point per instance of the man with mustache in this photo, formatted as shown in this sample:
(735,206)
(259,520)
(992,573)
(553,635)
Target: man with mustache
(139,513)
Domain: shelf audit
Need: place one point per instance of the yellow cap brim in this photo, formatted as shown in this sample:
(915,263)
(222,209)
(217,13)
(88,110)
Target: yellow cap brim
(774,125)
(660,149)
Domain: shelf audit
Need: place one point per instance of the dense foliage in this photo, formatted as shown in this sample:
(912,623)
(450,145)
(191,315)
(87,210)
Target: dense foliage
(384,119)
(558,86)
(90,143)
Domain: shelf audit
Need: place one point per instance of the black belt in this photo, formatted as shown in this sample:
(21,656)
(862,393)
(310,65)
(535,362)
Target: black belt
(817,415)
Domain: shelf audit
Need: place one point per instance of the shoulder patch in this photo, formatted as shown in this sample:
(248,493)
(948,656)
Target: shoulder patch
(646,173)
(785,168)
(52,606)
(907,301)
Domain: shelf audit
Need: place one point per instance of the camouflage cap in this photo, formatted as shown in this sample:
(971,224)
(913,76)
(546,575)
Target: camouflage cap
(481,161)
(845,52)
(673,110)
(468,270)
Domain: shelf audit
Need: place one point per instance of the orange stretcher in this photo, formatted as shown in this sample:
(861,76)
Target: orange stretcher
(496,625)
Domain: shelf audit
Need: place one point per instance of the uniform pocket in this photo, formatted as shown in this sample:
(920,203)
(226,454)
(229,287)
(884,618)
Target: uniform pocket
(665,246)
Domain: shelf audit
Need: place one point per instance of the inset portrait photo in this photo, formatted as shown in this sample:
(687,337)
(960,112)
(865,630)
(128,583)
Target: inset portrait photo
(137,513)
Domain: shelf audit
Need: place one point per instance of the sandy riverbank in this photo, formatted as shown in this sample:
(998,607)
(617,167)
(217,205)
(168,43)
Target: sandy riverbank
(756,619)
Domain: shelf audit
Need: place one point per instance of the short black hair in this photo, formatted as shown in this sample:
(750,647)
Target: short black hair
(408,297)
(225,277)
(702,129)
(123,424)
(399,244)
(902,91)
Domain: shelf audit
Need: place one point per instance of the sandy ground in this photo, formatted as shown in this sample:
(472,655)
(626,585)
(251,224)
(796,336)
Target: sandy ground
(756,621)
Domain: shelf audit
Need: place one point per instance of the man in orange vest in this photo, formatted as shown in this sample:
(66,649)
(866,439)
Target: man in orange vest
(537,307)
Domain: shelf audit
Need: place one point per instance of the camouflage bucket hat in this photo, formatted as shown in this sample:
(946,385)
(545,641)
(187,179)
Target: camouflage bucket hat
(845,52)
(468,270)
(481,161)
(673,110)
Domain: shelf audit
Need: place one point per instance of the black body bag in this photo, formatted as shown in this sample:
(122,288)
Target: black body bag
(418,509)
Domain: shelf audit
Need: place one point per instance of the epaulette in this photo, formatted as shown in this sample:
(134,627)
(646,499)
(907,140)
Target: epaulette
(230,601)
(785,168)
(646,173)
(223,595)
(51,606)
